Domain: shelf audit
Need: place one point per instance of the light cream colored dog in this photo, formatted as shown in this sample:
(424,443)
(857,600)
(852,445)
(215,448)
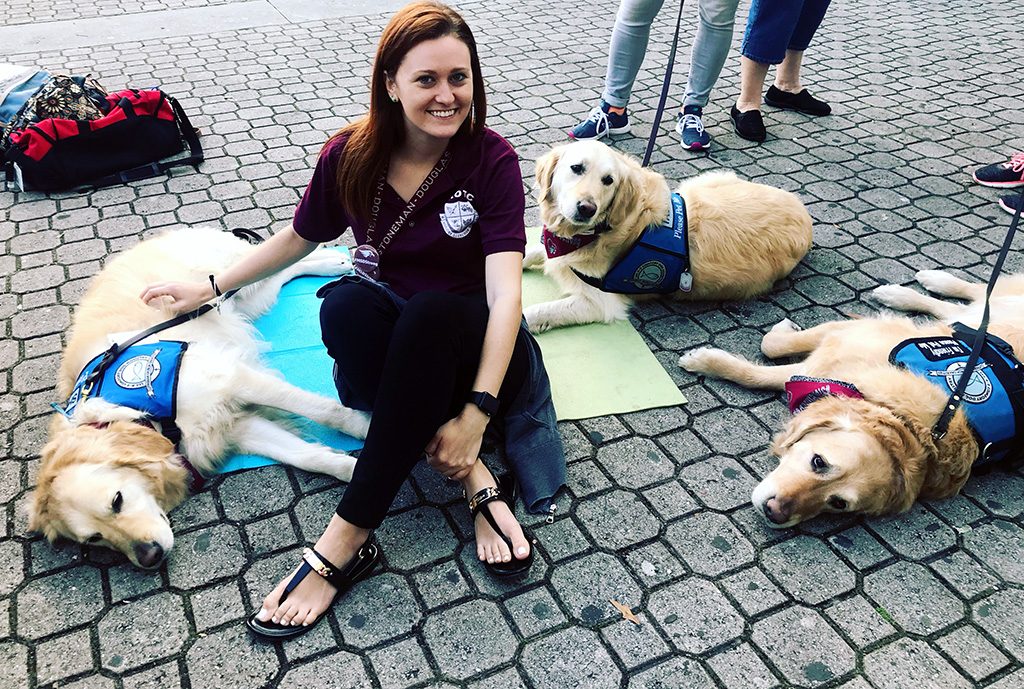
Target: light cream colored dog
(743,236)
(109,480)
(874,455)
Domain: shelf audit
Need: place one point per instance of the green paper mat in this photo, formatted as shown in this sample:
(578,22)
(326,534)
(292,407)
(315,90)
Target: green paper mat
(597,369)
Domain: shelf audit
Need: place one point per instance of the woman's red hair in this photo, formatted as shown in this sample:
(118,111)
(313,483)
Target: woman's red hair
(372,138)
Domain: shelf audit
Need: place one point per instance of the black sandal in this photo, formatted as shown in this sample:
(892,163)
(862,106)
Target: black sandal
(357,569)
(506,492)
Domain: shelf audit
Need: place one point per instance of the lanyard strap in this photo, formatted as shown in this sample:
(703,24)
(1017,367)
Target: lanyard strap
(942,425)
(435,172)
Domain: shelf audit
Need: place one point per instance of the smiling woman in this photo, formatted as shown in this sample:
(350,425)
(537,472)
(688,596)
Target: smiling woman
(427,334)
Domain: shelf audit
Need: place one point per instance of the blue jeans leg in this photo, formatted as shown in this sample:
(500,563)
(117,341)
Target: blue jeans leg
(710,48)
(809,21)
(628,46)
(770,26)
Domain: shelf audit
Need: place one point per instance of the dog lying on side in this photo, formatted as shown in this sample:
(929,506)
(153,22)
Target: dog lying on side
(107,476)
(875,454)
(743,237)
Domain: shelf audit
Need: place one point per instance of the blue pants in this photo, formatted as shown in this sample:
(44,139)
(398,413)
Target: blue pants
(774,26)
(633,31)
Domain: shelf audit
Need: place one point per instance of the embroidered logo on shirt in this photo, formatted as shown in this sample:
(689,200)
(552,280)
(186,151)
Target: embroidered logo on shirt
(459,215)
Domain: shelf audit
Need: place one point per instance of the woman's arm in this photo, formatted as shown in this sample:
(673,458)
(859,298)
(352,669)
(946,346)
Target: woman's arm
(281,250)
(456,446)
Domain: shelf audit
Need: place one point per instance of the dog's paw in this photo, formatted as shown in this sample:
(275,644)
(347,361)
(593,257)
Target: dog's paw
(939,281)
(536,320)
(326,262)
(341,466)
(895,297)
(706,360)
(534,257)
(349,421)
(785,326)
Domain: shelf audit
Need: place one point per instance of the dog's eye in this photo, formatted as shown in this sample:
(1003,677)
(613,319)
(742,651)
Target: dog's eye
(95,538)
(577,168)
(837,503)
(115,504)
(818,463)
(607,180)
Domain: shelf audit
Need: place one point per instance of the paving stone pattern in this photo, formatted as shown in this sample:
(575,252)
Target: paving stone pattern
(656,515)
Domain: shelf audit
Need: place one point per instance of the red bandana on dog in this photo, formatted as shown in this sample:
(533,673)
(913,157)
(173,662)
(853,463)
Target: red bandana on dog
(555,246)
(802,391)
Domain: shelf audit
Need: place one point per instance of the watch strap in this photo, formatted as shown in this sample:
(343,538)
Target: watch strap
(487,402)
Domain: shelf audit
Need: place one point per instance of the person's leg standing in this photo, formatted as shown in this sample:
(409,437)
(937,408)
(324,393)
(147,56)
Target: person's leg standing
(630,36)
(710,48)
(770,24)
(626,51)
(788,91)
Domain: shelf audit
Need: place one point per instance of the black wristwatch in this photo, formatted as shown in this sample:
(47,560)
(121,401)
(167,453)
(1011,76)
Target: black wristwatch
(487,402)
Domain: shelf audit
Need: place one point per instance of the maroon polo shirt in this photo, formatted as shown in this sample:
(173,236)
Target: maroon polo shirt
(474,208)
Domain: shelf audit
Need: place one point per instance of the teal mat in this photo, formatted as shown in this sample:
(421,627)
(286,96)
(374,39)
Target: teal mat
(292,332)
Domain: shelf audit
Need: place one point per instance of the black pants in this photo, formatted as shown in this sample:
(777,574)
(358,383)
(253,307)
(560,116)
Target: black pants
(413,364)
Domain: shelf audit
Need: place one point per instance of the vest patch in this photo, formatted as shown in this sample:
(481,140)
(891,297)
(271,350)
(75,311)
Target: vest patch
(994,397)
(144,377)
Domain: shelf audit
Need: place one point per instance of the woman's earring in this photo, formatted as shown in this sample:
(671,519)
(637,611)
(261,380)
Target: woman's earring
(393,97)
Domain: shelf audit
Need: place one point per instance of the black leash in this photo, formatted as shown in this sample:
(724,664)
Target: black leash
(942,425)
(664,90)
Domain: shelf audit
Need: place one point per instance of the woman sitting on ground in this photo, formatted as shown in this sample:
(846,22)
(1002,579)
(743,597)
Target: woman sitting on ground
(427,334)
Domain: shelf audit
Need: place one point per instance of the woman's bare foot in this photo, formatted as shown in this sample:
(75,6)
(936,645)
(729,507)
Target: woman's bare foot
(489,546)
(307,601)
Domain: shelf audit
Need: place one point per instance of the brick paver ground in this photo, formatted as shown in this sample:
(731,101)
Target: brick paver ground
(922,91)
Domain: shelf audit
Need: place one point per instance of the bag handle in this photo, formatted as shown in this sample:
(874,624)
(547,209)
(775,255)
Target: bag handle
(195,156)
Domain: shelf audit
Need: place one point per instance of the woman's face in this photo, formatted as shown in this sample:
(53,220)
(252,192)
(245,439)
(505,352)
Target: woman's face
(434,86)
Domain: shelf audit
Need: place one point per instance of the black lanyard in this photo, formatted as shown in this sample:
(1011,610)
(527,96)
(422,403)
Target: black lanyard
(366,256)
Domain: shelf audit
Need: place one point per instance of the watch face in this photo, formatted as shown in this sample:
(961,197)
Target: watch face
(488,403)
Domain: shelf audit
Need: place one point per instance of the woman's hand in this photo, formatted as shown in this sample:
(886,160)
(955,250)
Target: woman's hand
(177,297)
(455,447)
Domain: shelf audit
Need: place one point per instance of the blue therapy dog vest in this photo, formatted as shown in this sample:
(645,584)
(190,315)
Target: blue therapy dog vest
(659,262)
(994,398)
(144,377)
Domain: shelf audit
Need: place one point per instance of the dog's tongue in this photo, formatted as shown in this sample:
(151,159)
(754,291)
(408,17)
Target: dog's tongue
(555,246)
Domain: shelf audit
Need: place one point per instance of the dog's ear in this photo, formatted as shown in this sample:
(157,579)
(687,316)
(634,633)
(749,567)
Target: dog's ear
(910,448)
(148,452)
(813,418)
(635,187)
(40,517)
(545,172)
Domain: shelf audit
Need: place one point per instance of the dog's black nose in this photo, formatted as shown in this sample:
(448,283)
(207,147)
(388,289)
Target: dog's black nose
(777,511)
(149,554)
(585,209)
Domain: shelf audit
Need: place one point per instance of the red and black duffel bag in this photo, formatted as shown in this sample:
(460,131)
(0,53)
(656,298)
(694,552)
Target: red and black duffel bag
(137,130)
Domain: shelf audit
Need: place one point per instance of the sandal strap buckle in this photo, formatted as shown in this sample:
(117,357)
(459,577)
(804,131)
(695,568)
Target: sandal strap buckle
(319,566)
(483,496)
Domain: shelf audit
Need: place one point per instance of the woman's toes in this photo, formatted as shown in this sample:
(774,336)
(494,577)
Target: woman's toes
(481,552)
(503,552)
(309,619)
(521,547)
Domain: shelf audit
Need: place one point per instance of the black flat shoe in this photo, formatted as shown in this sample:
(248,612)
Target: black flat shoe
(357,569)
(749,125)
(506,492)
(801,102)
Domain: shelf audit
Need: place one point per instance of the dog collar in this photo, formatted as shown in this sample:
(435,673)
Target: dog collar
(555,246)
(802,391)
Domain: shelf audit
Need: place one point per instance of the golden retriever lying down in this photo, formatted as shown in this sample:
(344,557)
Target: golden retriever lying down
(743,236)
(106,478)
(874,455)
